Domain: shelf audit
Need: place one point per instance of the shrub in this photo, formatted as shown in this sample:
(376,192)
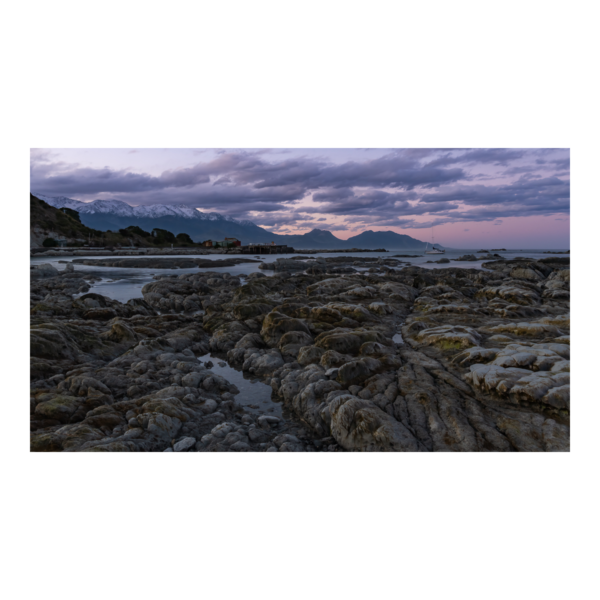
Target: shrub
(49,243)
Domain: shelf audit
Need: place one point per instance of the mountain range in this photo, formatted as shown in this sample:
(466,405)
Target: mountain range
(114,215)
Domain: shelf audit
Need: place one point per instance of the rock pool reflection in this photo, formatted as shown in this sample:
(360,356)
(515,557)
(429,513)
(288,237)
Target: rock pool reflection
(254,396)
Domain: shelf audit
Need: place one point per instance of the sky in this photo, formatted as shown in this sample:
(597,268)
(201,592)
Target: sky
(485,197)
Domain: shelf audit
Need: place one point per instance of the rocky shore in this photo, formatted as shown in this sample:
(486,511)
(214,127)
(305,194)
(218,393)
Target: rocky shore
(362,355)
(41,252)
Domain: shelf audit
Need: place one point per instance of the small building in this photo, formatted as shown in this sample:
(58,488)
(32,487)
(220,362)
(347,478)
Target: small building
(233,242)
(207,244)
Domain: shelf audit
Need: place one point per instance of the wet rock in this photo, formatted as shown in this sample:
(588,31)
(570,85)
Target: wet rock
(227,335)
(466,257)
(43,270)
(288,443)
(263,362)
(284,264)
(184,444)
(258,435)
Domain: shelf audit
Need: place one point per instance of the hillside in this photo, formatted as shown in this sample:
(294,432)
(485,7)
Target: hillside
(386,239)
(48,222)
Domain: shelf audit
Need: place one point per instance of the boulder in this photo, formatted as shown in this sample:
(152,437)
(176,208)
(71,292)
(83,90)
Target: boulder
(263,362)
(309,355)
(359,425)
(60,408)
(526,273)
(277,324)
(357,371)
(43,271)
(184,444)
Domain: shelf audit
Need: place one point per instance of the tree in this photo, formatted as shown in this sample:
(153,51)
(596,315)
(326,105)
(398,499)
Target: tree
(162,236)
(184,238)
(49,243)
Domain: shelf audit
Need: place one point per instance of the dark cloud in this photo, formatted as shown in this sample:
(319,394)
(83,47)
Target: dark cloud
(551,192)
(248,169)
(334,195)
(495,156)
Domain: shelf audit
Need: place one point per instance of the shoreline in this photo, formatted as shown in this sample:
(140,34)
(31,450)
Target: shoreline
(484,354)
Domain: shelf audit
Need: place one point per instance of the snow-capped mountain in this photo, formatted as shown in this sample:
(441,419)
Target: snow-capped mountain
(122,209)
(114,215)
(60,201)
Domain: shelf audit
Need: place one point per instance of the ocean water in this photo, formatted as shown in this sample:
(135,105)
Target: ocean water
(122,284)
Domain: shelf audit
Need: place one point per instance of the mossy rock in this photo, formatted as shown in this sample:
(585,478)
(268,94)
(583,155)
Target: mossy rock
(42,369)
(42,308)
(250,290)
(114,447)
(213,322)
(45,442)
(61,408)
(449,345)
(250,310)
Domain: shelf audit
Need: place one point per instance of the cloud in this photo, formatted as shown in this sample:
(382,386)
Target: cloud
(246,168)
(280,188)
(551,194)
(495,156)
